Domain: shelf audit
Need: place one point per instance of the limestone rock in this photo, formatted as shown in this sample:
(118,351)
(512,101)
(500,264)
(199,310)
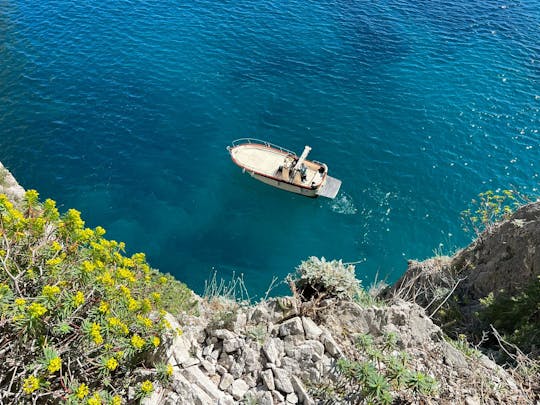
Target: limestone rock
(9,186)
(282,381)
(239,389)
(311,329)
(292,326)
(291,398)
(268,379)
(231,345)
(226,381)
(198,378)
(265,398)
(272,350)
(222,334)
(330,345)
(237,368)
(301,392)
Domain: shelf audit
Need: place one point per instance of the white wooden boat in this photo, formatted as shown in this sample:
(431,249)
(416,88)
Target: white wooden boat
(283,169)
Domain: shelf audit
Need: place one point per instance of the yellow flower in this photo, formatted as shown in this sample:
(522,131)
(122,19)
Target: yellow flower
(119,354)
(133,305)
(116,400)
(85,234)
(179,332)
(73,218)
(147,387)
(146,305)
(50,210)
(111,364)
(156,341)
(17,318)
(137,341)
(107,279)
(88,266)
(36,310)
(20,302)
(95,332)
(95,400)
(163,280)
(126,291)
(56,246)
(55,261)
(166,323)
(139,258)
(100,231)
(55,364)
(156,296)
(82,391)
(126,274)
(169,369)
(31,384)
(104,307)
(50,291)
(118,325)
(147,322)
(78,300)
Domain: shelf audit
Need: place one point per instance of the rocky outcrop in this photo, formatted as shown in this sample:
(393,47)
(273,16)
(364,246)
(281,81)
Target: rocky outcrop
(9,186)
(504,259)
(271,355)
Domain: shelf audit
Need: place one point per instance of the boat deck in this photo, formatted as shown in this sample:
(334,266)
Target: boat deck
(272,162)
(260,158)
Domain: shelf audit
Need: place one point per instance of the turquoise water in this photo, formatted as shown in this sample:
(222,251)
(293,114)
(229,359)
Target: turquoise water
(123,110)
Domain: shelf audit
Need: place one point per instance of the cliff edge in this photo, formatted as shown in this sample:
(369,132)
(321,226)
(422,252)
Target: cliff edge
(9,186)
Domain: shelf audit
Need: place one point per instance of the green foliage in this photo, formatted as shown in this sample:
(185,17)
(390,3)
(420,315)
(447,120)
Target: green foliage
(490,208)
(377,372)
(517,316)
(76,314)
(463,345)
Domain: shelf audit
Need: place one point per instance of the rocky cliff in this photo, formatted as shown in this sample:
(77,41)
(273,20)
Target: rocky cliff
(9,186)
(274,353)
(502,261)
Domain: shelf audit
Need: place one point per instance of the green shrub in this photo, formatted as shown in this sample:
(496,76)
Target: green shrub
(517,317)
(76,314)
(376,372)
(463,345)
(321,278)
(490,208)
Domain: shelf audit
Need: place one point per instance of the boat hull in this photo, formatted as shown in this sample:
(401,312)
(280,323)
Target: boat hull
(312,193)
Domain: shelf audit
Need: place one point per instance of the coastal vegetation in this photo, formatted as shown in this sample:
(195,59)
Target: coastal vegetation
(77,315)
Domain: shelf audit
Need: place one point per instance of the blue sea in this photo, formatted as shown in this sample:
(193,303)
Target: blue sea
(123,110)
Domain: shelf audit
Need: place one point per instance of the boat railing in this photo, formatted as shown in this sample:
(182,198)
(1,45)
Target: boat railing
(241,141)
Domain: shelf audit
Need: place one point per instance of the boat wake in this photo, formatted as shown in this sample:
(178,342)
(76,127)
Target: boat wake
(343,204)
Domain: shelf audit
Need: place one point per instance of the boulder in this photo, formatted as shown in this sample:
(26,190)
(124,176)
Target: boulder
(292,326)
(272,350)
(238,389)
(267,377)
(226,381)
(282,381)
(311,329)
